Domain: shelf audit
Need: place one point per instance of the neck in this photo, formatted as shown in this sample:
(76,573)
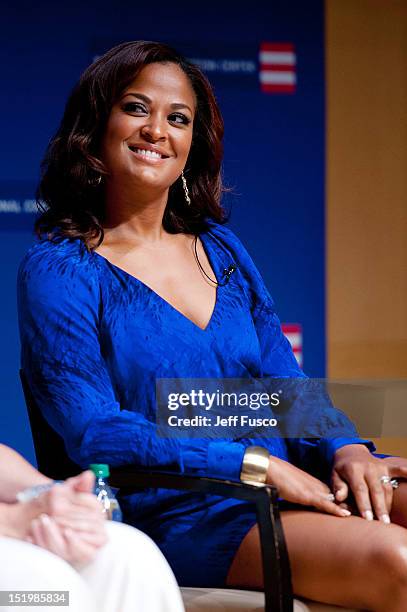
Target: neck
(134,216)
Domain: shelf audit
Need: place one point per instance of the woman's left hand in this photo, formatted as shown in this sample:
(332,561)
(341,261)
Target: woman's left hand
(355,469)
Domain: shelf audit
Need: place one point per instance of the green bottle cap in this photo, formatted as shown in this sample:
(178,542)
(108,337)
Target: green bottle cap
(100,469)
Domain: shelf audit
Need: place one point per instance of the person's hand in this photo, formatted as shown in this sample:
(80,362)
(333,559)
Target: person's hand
(297,486)
(70,522)
(73,504)
(398,466)
(76,547)
(357,471)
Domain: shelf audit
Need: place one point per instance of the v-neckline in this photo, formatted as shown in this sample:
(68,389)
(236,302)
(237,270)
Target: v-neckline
(160,297)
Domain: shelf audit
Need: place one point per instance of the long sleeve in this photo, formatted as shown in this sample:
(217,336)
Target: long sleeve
(327,428)
(319,428)
(60,311)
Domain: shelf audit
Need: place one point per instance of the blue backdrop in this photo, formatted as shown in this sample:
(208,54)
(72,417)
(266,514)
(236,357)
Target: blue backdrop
(274,144)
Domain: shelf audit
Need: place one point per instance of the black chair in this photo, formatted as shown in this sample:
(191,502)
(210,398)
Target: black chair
(49,447)
(53,461)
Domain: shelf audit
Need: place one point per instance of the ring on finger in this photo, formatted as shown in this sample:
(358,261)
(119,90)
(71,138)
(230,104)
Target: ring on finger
(388,480)
(394,483)
(330,497)
(385,479)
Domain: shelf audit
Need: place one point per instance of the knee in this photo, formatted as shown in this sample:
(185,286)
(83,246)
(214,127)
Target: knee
(135,549)
(125,540)
(133,554)
(389,564)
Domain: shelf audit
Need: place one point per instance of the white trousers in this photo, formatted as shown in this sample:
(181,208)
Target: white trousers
(129,574)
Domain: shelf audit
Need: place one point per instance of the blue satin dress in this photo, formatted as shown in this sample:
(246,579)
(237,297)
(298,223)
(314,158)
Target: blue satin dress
(95,339)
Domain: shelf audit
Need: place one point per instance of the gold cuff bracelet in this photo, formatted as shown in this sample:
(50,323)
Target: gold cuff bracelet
(255,465)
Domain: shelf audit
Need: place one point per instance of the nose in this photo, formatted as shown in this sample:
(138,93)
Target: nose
(155,128)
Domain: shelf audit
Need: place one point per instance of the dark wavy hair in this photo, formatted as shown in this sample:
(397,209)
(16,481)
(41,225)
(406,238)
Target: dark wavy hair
(70,195)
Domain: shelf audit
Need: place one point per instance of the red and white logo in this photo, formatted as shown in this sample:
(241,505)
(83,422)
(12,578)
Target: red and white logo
(278,67)
(293,333)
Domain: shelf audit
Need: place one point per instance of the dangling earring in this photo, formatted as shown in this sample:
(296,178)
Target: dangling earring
(186,192)
(96,181)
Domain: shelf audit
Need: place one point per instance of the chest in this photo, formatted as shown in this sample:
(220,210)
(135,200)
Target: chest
(143,337)
(174,275)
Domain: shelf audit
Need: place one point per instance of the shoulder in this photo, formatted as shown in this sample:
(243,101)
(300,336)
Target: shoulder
(56,268)
(222,231)
(228,239)
(62,257)
(229,242)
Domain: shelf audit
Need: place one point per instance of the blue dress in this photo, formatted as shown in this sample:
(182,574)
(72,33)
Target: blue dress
(94,340)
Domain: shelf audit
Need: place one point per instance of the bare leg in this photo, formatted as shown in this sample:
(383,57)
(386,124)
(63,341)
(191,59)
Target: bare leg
(399,512)
(399,509)
(343,561)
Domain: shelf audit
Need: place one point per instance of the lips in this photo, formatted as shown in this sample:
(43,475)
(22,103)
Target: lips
(150,153)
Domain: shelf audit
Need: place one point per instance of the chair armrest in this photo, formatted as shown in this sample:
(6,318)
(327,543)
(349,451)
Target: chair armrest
(276,566)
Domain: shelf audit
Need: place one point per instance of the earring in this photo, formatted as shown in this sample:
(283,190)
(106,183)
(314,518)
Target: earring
(95,182)
(186,191)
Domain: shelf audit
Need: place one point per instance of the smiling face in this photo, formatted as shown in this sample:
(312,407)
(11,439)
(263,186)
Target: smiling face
(149,131)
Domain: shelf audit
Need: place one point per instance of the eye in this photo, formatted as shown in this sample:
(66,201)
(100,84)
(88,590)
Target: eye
(134,107)
(179,118)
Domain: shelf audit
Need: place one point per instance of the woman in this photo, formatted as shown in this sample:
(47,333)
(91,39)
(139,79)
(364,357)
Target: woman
(128,285)
(53,537)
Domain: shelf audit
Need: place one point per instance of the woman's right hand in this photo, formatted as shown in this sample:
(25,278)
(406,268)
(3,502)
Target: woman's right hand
(297,486)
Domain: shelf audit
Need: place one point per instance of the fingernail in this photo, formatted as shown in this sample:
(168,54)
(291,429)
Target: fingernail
(45,519)
(385,518)
(368,515)
(345,512)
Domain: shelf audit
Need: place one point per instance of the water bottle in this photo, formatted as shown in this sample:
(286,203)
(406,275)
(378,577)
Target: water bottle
(104,493)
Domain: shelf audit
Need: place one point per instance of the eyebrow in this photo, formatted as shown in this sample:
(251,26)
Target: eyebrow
(146,99)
